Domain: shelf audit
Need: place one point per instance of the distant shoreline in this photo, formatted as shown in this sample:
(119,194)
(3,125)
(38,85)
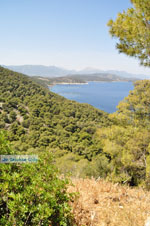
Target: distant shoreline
(85,83)
(68,83)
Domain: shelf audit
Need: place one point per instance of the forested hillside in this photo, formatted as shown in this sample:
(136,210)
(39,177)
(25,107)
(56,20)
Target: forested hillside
(84,140)
(37,118)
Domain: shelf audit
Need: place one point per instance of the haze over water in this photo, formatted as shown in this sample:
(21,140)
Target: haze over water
(103,95)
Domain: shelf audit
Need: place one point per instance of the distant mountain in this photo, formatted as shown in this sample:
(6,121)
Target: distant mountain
(115,72)
(98,77)
(90,70)
(40,70)
(129,75)
(53,71)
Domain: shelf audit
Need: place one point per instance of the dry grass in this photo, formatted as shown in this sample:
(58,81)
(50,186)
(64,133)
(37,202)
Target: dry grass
(102,203)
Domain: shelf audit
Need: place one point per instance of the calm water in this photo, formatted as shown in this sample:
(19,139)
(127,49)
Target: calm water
(102,95)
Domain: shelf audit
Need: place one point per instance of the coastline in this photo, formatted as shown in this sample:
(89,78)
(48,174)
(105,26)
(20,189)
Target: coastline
(84,83)
(68,83)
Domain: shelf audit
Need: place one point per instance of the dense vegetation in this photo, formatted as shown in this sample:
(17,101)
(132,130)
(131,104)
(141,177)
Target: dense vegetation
(32,194)
(126,143)
(38,119)
(84,140)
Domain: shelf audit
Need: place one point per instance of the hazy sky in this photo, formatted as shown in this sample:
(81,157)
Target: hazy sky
(66,33)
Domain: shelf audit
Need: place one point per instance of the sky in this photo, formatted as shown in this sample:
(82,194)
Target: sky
(72,34)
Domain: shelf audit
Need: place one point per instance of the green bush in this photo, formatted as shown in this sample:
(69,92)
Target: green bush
(32,194)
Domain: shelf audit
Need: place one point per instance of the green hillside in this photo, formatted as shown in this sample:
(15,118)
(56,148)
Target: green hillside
(85,141)
(38,119)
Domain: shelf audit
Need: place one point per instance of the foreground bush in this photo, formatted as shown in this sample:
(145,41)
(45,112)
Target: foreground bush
(32,194)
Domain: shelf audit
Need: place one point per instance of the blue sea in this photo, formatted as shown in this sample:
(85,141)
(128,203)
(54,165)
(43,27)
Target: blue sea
(103,95)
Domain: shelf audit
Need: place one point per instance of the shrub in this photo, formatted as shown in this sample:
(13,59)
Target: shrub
(32,194)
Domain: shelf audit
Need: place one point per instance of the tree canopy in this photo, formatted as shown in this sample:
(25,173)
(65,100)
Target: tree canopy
(132,28)
(37,118)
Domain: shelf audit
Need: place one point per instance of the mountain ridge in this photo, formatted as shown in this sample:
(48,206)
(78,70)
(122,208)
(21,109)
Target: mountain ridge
(54,71)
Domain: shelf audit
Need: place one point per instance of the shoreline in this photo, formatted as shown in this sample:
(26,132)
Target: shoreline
(68,83)
(84,83)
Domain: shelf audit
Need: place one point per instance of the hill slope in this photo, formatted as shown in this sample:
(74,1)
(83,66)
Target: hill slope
(37,118)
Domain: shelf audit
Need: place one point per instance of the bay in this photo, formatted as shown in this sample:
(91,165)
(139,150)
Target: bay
(102,95)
